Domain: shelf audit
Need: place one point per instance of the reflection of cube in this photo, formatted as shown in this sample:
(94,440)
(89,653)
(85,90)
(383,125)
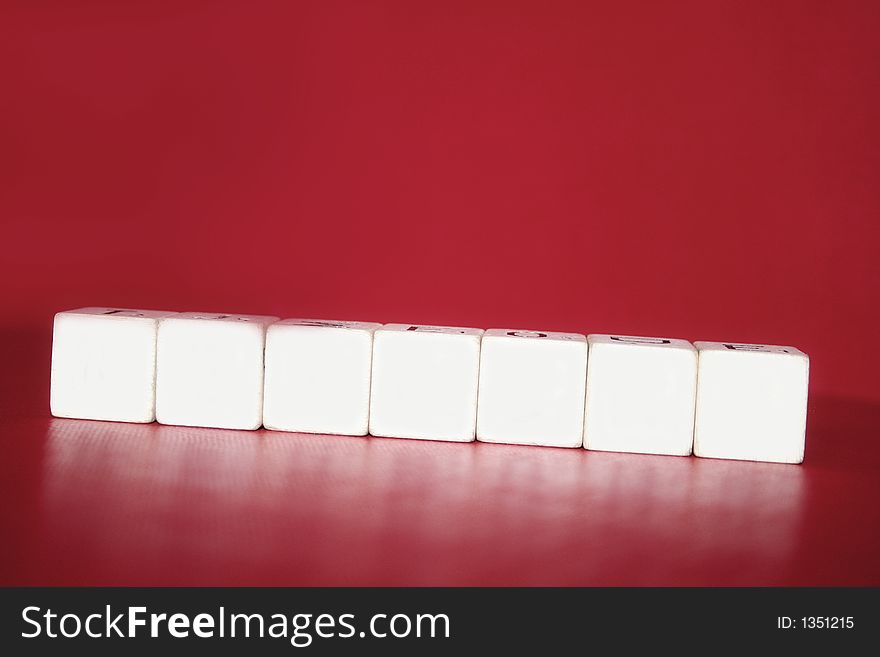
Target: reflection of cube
(751,402)
(640,395)
(209,370)
(425,382)
(318,376)
(104,364)
(532,388)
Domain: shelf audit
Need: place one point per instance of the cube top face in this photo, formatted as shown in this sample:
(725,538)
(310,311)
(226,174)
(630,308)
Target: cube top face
(525,334)
(318,377)
(104,364)
(227,318)
(640,397)
(424,383)
(739,348)
(751,402)
(638,341)
(532,388)
(127,313)
(420,330)
(328,324)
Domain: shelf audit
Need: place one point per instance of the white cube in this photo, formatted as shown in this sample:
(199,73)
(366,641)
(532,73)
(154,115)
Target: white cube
(751,402)
(532,388)
(640,395)
(425,382)
(104,364)
(209,370)
(318,376)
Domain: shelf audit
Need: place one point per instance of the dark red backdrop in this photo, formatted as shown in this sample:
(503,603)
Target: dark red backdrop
(691,169)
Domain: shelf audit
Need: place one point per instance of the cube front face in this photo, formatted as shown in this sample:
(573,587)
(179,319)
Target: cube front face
(318,376)
(531,389)
(751,402)
(424,382)
(104,364)
(209,370)
(640,395)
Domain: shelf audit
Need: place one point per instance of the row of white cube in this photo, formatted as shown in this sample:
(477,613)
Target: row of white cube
(646,395)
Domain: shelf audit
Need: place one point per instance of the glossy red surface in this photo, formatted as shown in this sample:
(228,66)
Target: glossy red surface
(686,169)
(90,503)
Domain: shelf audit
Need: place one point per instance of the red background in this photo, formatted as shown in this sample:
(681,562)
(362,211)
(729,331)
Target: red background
(687,169)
